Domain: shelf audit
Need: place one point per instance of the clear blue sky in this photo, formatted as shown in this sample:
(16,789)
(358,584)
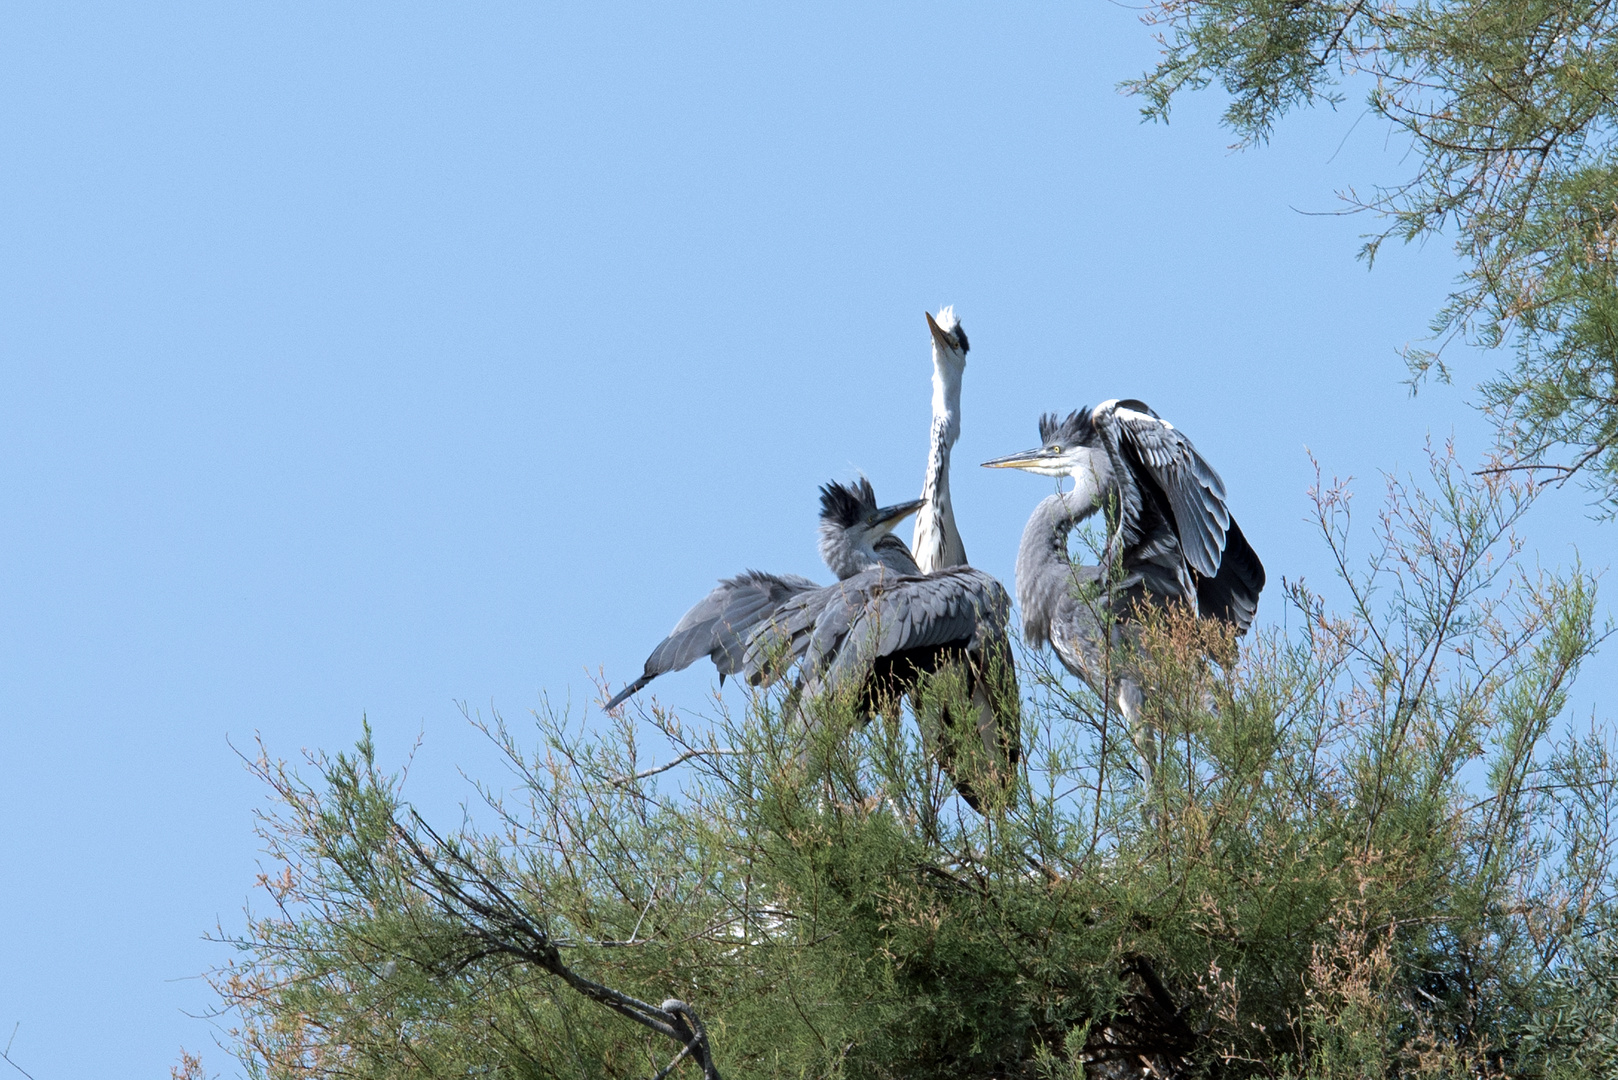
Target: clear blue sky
(362,359)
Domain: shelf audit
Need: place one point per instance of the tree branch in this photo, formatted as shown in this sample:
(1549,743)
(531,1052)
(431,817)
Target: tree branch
(5,1055)
(498,926)
(682,759)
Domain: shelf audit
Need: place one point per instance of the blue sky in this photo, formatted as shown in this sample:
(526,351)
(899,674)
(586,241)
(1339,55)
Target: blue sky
(362,360)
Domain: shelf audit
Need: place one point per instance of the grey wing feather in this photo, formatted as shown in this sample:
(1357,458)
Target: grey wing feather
(1196,493)
(783,639)
(719,625)
(960,604)
(825,642)
(837,633)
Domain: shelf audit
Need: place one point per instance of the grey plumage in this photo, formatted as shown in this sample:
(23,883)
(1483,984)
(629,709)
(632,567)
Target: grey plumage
(873,636)
(854,535)
(1168,520)
(844,510)
(718,626)
(1170,536)
(1171,498)
(1069,606)
(839,635)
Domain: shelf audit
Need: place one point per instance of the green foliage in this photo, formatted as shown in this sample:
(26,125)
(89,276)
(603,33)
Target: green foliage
(1511,107)
(1371,846)
(1576,1029)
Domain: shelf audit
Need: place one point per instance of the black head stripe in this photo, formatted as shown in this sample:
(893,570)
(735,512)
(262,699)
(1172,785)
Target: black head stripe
(846,504)
(960,338)
(1074,430)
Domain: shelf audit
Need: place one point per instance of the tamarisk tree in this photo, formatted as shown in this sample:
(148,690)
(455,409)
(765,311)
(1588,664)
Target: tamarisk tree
(1374,844)
(1511,110)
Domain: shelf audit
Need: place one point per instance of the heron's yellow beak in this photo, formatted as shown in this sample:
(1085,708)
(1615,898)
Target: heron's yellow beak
(1025,459)
(889,516)
(938,334)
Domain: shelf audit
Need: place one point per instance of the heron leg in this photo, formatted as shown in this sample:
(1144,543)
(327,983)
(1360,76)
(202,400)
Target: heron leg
(1141,731)
(933,721)
(987,729)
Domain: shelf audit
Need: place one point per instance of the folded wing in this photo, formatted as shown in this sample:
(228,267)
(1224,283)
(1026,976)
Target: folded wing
(1195,492)
(1232,594)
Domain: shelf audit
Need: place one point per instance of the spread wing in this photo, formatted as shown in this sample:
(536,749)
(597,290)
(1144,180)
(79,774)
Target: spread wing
(719,626)
(809,628)
(958,606)
(1195,493)
(839,633)
(851,637)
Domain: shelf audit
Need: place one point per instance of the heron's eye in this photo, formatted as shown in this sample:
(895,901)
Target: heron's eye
(1055,449)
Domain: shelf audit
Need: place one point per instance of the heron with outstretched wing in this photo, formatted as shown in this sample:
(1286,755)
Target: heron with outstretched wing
(855,535)
(873,639)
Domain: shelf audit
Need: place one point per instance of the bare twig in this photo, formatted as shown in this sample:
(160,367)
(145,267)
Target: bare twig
(687,756)
(1564,472)
(496,925)
(685,1052)
(5,1055)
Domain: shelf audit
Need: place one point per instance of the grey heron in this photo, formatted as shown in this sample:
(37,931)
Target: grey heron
(855,535)
(937,542)
(1069,606)
(1170,537)
(1169,522)
(872,639)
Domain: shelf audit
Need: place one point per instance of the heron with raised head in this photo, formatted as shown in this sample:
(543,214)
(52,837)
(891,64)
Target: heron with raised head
(937,542)
(873,638)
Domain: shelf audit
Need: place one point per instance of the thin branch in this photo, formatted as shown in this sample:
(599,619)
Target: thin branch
(497,925)
(685,1052)
(1566,472)
(1348,20)
(5,1055)
(682,759)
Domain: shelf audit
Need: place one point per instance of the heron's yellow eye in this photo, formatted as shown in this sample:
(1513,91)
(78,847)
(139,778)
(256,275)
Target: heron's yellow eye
(1056,449)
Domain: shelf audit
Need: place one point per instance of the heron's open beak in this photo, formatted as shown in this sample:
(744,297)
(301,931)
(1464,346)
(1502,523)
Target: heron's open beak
(938,335)
(889,516)
(1026,459)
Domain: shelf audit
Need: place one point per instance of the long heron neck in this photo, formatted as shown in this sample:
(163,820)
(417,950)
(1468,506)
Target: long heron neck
(937,541)
(947,396)
(1044,571)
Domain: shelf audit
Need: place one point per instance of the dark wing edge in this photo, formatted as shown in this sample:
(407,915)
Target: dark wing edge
(838,636)
(717,626)
(1232,594)
(1196,493)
